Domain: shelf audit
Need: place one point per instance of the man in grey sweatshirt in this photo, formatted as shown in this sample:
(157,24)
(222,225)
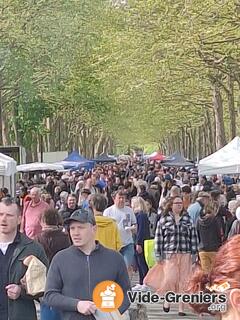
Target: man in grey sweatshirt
(76,271)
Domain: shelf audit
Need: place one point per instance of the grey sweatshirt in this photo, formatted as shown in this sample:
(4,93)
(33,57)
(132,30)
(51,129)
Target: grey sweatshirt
(73,275)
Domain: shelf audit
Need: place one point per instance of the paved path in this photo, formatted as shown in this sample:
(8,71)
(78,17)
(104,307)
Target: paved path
(155,311)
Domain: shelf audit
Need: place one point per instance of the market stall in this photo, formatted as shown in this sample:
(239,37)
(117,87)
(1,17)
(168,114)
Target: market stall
(223,161)
(177,160)
(7,173)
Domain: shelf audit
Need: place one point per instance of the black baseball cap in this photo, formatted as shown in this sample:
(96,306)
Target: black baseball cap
(83,216)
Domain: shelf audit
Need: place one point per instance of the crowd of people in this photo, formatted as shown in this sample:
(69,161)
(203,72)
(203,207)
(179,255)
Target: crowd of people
(91,226)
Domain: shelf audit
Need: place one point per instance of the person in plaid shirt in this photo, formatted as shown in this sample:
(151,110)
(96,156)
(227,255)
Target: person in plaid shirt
(176,246)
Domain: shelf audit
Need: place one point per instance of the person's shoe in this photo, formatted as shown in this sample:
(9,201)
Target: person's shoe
(137,287)
(140,287)
(166,309)
(145,288)
(181,314)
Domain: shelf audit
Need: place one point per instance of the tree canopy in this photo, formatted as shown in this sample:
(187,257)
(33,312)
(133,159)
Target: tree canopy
(94,74)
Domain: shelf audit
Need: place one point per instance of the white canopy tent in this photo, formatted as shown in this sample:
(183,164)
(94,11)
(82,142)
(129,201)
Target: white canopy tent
(223,161)
(7,173)
(124,157)
(39,166)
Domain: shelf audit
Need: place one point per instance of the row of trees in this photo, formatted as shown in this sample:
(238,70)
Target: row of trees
(89,75)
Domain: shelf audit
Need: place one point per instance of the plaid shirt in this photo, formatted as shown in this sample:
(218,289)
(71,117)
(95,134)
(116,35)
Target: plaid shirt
(172,238)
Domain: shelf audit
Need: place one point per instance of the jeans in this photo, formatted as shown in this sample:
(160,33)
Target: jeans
(142,266)
(49,313)
(128,254)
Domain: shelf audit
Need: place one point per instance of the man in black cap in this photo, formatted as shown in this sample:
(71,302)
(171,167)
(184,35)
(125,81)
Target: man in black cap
(75,271)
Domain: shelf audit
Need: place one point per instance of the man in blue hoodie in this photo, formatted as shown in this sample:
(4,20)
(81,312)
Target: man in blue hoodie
(77,270)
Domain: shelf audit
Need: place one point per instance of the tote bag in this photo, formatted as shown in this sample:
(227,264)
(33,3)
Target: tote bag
(149,253)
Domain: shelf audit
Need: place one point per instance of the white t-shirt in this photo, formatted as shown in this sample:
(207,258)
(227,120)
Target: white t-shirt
(4,246)
(124,217)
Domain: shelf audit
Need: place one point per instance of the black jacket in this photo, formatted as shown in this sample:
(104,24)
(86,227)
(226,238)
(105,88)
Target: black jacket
(24,307)
(210,233)
(65,213)
(143,229)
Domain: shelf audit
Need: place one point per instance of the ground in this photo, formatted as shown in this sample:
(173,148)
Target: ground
(155,311)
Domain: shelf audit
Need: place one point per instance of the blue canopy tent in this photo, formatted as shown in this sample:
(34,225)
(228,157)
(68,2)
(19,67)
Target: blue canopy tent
(104,158)
(176,160)
(75,162)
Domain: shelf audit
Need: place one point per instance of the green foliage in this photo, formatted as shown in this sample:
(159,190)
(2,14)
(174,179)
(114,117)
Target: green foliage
(138,71)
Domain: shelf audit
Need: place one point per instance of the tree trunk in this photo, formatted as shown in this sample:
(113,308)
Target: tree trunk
(60,131)
(183,141)
(29,157)
(34,148)
(194,140)
(90,136)
(199,143)
(218,113)
(4,129)
(1,108)
(231,107)
(204,135)
(209,124)
(106,145)
(47,135)
(54,135)
(110,146)
(99,144)
(15,126)
(192,143)
(84,139)
(188,144)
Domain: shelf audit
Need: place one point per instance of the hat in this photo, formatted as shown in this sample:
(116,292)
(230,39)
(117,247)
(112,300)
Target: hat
(203,194)
(87,191)
(83,216)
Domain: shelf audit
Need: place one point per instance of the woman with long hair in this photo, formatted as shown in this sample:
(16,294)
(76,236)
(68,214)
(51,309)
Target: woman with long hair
(143,233)
(53,239)
(167,185)
(224,279)
(175,248)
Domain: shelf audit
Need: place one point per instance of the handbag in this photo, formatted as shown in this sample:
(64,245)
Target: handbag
(149,253)
(35,276)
